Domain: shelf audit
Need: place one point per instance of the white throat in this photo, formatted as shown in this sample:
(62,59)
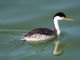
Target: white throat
(56,25)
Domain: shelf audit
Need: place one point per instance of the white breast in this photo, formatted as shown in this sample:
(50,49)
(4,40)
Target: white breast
(37,37)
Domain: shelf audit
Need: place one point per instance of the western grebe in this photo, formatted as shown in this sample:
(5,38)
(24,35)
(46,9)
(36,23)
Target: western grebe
(40,34)
(43,34)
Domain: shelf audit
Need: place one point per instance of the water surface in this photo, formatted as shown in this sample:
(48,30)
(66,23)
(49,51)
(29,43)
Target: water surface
(17,17)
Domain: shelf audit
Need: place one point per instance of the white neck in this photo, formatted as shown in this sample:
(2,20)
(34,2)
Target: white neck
(56,26)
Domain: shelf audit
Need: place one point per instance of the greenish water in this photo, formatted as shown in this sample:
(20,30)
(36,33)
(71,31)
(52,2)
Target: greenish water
(18,17)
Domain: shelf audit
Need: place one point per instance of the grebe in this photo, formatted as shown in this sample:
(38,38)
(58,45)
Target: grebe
(40,34)
(43,34)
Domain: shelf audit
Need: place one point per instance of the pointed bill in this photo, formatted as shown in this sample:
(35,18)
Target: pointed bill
(68,19)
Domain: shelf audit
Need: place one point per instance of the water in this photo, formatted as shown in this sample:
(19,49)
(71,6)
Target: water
(18,17)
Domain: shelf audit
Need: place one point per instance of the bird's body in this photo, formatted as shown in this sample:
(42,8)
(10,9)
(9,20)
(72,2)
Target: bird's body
(40,34)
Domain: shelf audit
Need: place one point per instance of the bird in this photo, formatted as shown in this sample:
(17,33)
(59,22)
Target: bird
(43,34)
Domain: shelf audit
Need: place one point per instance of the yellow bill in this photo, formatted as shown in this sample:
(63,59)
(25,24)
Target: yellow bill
(68,19)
